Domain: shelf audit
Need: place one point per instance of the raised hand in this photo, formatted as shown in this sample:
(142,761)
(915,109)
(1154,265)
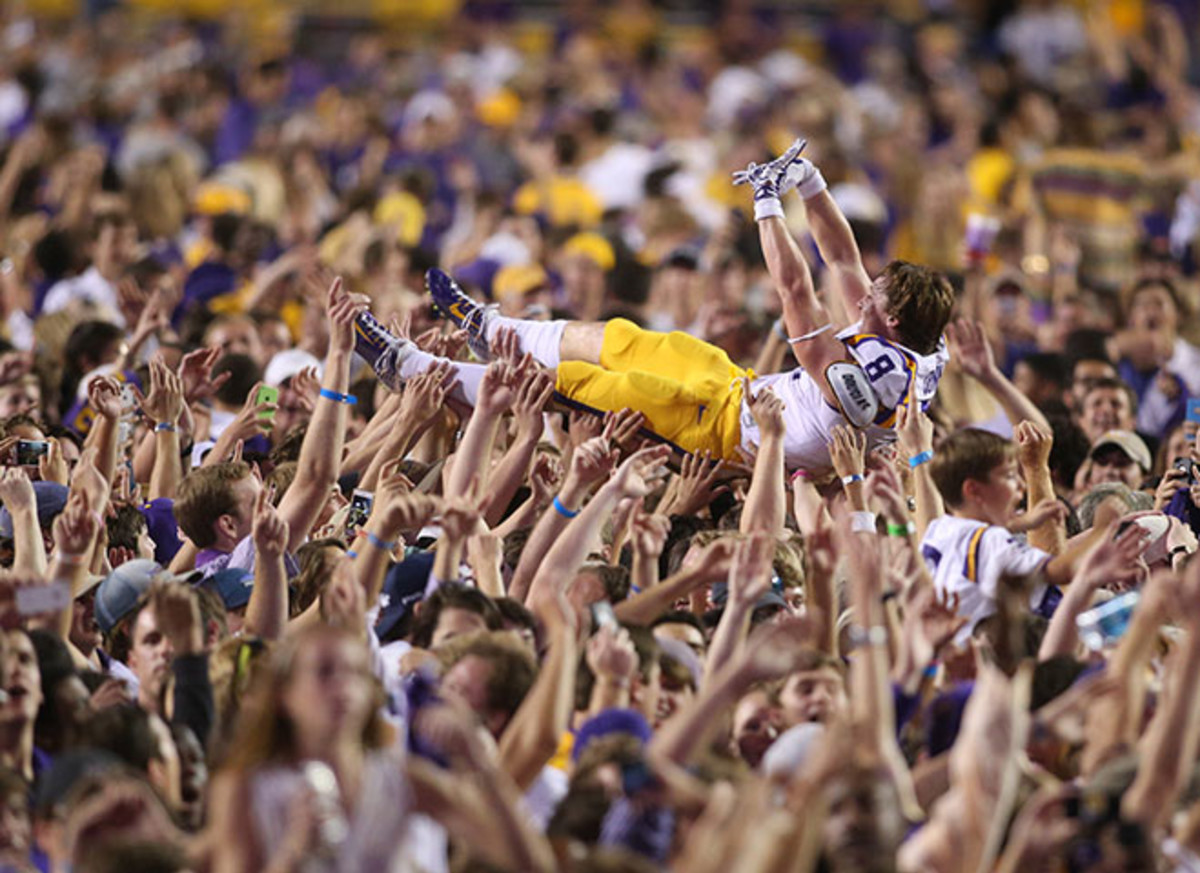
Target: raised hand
(696,485)
(544,479)
(649,533)
(195,371)
(425,394)
(1034,443)
(104,396)
(16,490)
(592,461)
(342,309)
(715,561)
(269,530)
(410,511)
(498,389)
(177,612)
(463,515)
(611,654)
(306,386)
(767,409)
(848,450)
(634,478)
(886,492)
(250,420)
(969,346)
(165,401)
(532,396)
(914,429)
(52,466)
(1050,509)
(931,620)
(583,426)
(75,528)
(1113,560)
(750,570)
(774,652)
(622,428)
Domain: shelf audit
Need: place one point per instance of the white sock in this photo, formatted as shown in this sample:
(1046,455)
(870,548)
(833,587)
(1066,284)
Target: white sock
(469,376)
(538,338)
(767,207)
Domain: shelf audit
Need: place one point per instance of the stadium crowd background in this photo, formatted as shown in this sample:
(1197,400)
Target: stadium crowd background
(180,183)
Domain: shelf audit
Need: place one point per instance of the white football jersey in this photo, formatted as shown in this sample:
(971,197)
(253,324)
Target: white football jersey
(808,417)
(968,558)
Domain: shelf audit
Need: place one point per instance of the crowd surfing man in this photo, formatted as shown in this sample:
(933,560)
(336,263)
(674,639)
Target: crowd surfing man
(267,607)
(689,392)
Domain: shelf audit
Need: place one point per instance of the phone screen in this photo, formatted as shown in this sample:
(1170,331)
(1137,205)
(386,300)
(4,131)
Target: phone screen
(360,509)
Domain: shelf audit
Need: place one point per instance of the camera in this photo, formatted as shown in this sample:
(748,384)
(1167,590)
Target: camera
(1188,467)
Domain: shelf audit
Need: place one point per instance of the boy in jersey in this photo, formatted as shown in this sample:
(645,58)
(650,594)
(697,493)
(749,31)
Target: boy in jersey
(980,477)
(690,392)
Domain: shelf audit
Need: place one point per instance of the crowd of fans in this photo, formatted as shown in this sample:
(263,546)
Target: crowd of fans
(262,612)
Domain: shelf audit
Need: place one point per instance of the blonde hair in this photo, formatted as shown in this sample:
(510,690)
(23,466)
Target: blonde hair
(264,732)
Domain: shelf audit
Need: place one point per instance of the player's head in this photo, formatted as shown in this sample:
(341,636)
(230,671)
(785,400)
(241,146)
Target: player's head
(976,473)
(911,303)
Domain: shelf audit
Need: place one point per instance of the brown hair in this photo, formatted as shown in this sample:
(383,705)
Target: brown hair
(204,496)
(513,669)
(264,731)
(921,300)
(967,454)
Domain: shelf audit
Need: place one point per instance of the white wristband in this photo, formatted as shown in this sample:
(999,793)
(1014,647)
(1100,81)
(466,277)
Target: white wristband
(863,522)
(767,207)
(812,186)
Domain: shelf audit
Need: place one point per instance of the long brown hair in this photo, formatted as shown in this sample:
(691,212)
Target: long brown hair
(264,732)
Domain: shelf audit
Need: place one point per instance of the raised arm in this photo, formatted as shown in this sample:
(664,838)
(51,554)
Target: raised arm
(16,493)
(839,251)
(766,502)
(591,462)
(970,348)
(749,579)
(321,453)
(1168,752)
(1034,442)
(267,611)
(510,471)
(164,406)
(632,479)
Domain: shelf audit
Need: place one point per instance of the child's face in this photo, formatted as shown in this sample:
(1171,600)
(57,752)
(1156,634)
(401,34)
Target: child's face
(1001,492)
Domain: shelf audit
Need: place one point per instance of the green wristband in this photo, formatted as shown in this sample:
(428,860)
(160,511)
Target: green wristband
(901,530)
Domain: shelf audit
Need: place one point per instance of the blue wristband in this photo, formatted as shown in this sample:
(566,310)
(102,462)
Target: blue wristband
(350,553)
(164,427)
(562,510)
(917,460)
(852,478)
(348,399)
(382,545)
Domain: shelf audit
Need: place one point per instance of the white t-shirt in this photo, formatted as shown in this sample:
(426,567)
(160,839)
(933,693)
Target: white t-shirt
(968,557)
(88,286)
(808,417)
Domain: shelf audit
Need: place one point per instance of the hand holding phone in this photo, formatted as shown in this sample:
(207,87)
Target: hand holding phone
(266,395)
(30,451)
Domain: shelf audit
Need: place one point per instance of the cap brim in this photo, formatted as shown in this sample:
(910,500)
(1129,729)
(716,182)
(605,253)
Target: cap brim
(90,583)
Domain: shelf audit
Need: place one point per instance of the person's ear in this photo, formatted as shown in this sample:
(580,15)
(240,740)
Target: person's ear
(227,525)
(970,490)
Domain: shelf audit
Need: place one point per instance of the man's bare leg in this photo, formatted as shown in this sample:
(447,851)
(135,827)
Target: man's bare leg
(582,341)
